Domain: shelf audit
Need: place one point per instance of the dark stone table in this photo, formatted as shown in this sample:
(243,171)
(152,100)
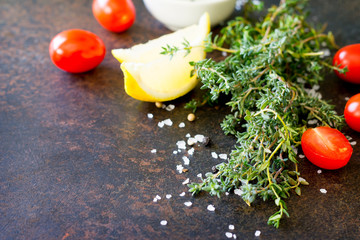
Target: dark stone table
(75,150)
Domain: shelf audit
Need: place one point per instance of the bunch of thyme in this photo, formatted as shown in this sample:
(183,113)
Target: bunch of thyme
(268,68)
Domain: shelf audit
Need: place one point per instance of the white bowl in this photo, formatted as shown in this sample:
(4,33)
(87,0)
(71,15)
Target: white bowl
(176,14)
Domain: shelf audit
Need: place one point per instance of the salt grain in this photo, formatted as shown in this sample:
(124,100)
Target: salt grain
(150,115)
(191,151)
(168,122)
(257,233)
(161,124)
(191,141)
(199,138)
(313,122)
(186,160)
(170,107)
(301,156)
(231,227)
(223,156)
(188,204)
(181,144)
(156,198)
(319,171)
(211,208)
(163,222)
(179,168)
(186,181)
(181,125)
(214,155)
(168,196)
(175,152)
(353,143)
(182,194)
(153,151)
(238,192)
(228,234)
(322,190)
(199,175)
(326,53)
(301,179)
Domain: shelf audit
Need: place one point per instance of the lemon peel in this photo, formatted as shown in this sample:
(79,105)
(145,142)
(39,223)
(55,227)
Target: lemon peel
(151,76)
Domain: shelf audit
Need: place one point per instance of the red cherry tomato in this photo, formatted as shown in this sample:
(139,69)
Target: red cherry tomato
(114,15)
(349,56)
(326,147)
(76,50)
(352,112)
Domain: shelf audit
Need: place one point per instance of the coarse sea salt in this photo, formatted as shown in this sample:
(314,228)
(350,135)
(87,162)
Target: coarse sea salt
(313,122)
(168,122)
(191,151)
(186,160)
(301,156)
(238,192)
(163,222)
(228,234)
(199,138)
(323,190)
(257,233)
(319,171)
(156,198)
(223,156)
(214,155)
(231,227)
(182,194)
(170,107)
(150,115)
(191,141)
(179,168)
(181,125)
(188,204)
(211,208)
(161,124)
(353,143)
(153,151)
(181,144)
(186,181)
(168,196)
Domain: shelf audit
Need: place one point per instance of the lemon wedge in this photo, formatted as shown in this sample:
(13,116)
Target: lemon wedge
(151,76)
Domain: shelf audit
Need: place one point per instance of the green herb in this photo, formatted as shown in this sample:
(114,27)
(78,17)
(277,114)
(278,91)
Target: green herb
(268,72)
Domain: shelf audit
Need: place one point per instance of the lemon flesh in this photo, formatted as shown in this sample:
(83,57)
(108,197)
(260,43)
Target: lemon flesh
(151,76)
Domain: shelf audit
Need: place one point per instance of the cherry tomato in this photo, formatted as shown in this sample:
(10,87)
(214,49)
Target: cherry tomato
(326,147)
(76,50)
(352,112)
(114,15)
(349,56)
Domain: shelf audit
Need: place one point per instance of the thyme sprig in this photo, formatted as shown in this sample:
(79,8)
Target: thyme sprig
(269,68)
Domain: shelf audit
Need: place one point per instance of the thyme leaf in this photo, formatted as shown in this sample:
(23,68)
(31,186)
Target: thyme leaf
(266,74)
